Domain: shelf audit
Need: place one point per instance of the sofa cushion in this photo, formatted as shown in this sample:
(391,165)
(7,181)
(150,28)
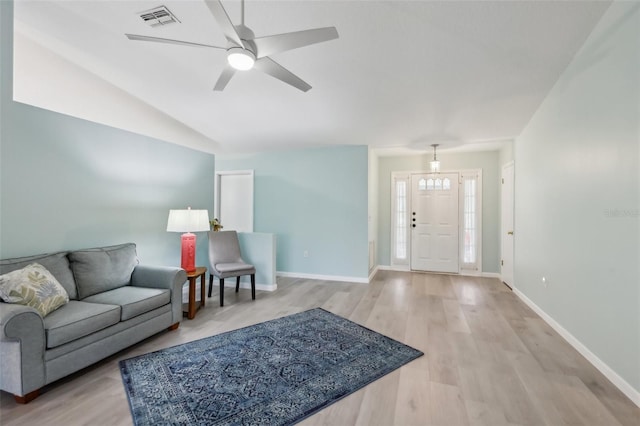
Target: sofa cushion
(77,319)
(134,301)
(33,286)
(56,263)
(103,269)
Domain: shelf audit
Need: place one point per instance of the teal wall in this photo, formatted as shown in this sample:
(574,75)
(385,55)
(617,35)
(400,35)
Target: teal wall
(315,200)
(67,183)
(258,249)
(487,161)
(577,196)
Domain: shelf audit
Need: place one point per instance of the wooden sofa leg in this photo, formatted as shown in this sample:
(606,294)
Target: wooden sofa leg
(174,326)
(28,397)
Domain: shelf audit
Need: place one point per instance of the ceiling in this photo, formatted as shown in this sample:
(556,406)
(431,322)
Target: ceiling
(403,74)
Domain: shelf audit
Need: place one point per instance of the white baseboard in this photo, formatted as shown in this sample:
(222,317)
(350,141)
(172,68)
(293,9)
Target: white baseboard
(323,277)
(397,268)
(491,275)
(373,273)
(619,382)
(468,273)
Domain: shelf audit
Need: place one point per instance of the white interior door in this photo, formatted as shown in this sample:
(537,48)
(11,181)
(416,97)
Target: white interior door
(506,226)
(434,222)
(234,200)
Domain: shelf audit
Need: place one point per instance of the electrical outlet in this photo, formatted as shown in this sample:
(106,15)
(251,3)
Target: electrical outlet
(305,253)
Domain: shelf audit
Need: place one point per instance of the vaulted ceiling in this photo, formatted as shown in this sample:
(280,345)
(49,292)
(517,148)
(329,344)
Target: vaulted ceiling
(401,73)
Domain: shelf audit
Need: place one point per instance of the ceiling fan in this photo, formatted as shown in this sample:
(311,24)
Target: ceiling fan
(245,51)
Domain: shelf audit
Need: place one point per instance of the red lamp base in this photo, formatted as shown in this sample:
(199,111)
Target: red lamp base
(188,257)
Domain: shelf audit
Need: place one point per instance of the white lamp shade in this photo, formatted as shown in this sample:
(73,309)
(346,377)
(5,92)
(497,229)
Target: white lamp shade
(188,221)
(435,166)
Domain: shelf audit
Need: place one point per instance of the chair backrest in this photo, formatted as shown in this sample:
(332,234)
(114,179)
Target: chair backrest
(224,247)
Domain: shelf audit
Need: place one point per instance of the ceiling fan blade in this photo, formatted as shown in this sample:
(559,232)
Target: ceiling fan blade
(223,20)
(169,41)
(224,78)
(274,69)
(279,43)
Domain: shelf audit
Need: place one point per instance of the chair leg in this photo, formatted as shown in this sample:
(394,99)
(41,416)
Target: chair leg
(253,286)
(210,284)
(221,291)
(237,283)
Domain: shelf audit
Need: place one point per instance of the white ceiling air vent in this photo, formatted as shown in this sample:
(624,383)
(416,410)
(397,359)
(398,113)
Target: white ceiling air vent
(158,16)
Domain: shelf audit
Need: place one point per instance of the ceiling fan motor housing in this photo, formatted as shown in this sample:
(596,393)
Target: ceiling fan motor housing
(247,36)
(242,58)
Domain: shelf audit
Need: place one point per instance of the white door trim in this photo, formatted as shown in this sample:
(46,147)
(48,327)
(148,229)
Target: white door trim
(507,241)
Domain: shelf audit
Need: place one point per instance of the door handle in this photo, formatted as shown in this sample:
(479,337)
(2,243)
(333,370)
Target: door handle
(510,233)
(413,226)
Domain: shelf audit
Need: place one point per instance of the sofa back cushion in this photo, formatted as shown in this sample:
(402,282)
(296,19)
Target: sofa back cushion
(102,269)
(56,263)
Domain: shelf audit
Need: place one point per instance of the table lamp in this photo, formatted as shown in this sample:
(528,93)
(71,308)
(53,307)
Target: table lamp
(188,221)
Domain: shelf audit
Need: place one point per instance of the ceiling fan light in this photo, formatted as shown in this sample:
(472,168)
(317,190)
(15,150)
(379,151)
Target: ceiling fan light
(240,58)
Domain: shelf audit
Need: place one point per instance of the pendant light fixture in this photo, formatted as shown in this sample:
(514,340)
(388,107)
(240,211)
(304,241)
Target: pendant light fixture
(435,164)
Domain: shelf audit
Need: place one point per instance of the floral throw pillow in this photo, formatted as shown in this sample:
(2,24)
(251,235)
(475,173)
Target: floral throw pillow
(33,286)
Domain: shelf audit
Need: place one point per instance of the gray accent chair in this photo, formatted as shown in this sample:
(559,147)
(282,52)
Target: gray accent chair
(226,262)
(113,303)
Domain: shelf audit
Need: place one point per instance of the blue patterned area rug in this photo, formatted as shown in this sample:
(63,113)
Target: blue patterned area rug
(275,373)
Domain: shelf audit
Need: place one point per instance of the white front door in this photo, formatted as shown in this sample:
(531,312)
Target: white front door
(507,225)
(434,222)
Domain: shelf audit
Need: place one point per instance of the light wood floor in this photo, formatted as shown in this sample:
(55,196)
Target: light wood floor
(489,359)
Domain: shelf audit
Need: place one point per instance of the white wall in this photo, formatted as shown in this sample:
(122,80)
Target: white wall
(506,153)
(577,198)
(49,81)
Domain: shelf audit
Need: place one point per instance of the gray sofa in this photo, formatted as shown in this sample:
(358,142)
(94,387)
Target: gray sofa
(113,303)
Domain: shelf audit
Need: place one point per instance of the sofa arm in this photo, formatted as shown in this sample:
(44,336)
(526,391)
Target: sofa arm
(22,346)
(171,278)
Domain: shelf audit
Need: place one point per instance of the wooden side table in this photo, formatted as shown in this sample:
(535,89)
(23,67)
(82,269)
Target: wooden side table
(191,308)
